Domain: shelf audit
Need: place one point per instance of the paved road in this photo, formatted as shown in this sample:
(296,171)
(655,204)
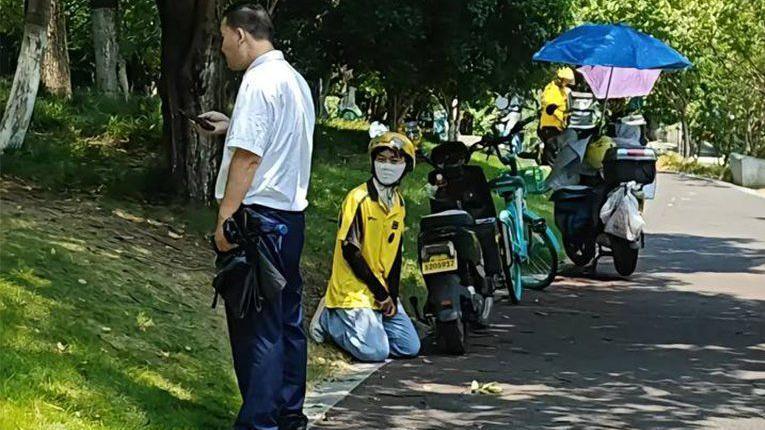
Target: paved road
(680,344)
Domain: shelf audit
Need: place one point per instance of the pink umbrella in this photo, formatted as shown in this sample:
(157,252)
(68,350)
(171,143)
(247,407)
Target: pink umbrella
(618,82)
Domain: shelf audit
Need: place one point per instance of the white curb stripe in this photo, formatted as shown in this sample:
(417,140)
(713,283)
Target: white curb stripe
(326,395)
(719,182)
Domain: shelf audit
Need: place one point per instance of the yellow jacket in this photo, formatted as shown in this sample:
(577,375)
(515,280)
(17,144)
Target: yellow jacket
(380,231)
(554,94)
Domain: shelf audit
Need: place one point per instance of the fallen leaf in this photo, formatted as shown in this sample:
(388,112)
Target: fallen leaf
(124,215)
(82,281)
(106,329)
(154,223)
(61,348)
(487,388)
(174,235)
(53,251)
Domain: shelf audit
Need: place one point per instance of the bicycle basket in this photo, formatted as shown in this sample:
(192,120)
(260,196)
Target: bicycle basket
(534,178)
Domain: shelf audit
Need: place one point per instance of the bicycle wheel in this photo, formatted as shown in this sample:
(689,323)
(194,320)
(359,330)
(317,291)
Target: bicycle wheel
(510,267)
(539,270)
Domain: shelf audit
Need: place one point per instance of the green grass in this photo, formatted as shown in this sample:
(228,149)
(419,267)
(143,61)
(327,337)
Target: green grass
(92,143)
(674,162)
(136,345)
(101,333)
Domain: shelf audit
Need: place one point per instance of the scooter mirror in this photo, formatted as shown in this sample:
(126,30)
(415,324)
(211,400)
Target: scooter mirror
(501,102)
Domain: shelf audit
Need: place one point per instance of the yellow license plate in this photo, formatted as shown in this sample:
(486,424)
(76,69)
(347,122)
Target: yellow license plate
(438,266)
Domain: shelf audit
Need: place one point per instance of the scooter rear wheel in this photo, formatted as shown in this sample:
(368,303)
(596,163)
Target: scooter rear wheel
(625,256)
(450,337)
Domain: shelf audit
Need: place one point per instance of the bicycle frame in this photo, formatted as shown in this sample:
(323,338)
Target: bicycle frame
(512,219)
(515,218)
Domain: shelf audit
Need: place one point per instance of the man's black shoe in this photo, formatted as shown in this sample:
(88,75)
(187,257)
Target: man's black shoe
(293,422)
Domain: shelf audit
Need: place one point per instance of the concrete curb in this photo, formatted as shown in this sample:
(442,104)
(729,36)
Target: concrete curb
(719,182)
(327,394)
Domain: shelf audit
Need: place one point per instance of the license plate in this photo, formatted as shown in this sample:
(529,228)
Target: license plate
(439,265)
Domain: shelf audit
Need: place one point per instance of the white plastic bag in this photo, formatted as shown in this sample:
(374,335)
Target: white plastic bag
(621,213)
(377,129)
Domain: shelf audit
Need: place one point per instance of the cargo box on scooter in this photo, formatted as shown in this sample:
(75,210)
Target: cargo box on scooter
(636,163)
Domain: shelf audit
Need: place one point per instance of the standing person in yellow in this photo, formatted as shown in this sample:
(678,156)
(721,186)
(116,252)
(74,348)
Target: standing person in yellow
(361,312)
(554,115)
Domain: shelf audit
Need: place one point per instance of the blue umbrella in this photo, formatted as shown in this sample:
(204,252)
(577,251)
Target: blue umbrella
(612,45)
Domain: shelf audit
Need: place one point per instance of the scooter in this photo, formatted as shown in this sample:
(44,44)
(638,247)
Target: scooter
(510,108)
(627,168)
(413,131)
(458,246)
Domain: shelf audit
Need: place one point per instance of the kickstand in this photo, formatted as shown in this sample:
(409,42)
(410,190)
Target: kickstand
(592,268)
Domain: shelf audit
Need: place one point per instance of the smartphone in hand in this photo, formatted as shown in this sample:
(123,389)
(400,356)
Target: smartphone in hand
(197,120)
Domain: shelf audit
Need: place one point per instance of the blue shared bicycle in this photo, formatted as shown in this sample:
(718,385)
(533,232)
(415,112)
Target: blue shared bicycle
(529,249)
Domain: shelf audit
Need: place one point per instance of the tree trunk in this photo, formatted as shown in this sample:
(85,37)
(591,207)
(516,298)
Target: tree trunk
(322,92)
(193,79)
(393,110)
(122,77)
(685,135)
(379,111)
(105,44)
(55,66)
(26,81)
(454,120)
(398,106)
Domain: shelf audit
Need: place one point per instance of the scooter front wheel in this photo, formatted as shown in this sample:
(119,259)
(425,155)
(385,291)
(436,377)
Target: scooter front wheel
(581,254)
(450,337)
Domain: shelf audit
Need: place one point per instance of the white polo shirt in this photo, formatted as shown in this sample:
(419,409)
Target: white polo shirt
(273,118)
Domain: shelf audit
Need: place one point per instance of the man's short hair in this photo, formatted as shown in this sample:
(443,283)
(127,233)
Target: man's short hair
(252,18)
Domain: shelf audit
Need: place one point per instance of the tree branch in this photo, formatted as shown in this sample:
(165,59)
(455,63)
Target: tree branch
(272,7)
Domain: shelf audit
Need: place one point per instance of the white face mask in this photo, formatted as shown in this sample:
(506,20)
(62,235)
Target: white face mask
(388,173)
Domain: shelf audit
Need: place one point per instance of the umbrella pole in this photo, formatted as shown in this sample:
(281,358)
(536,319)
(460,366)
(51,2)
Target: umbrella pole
(605,104)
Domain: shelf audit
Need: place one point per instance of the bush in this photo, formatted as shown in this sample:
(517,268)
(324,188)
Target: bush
(674,162)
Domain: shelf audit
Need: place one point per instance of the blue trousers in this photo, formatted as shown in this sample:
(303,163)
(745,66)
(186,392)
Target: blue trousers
(269,347)
(369,336)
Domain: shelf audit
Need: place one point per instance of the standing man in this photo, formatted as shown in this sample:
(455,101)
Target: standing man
(266,166)
(554,115)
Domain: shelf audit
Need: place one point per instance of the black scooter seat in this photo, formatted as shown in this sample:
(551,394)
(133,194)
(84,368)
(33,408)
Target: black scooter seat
(450,218)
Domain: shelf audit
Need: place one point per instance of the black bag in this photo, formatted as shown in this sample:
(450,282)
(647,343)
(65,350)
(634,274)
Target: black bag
(575,213)
(249,273)
(233,282)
